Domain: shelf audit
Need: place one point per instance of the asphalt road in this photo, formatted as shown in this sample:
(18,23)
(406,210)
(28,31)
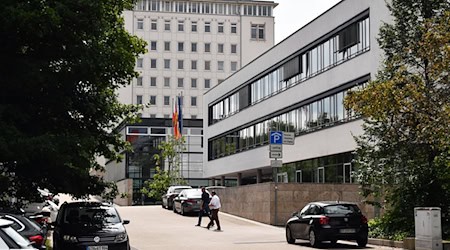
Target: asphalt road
(153,227)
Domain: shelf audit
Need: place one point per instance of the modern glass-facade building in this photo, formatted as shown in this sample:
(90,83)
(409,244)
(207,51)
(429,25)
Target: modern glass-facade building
(298,86)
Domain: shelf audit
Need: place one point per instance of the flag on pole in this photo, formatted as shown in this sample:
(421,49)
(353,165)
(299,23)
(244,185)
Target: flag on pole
(180,116)
(175,118)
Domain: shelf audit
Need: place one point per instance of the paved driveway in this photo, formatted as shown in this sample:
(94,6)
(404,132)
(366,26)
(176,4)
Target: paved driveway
(153,227)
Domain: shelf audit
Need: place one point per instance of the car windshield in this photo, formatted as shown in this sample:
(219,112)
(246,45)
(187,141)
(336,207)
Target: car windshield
(178,190)
(341,209)
(91,215)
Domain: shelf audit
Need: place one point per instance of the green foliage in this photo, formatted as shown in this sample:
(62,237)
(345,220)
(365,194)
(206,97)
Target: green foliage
(381,228)
(62,61)
(169,153)
(403,155)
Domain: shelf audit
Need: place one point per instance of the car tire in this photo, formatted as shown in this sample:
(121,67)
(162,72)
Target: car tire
(174,209)
(313,239)
(362,242)
(182,211)
(289,237)
(333,241)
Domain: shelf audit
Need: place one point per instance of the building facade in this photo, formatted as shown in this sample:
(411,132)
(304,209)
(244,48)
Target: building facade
(297,86)
(192,47)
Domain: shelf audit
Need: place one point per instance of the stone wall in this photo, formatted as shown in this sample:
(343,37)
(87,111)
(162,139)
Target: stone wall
(274,204)
(125,187)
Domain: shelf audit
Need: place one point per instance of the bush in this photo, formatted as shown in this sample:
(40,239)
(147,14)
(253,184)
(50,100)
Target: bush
(379,228)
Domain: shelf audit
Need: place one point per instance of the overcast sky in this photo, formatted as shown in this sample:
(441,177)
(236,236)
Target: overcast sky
(291,15)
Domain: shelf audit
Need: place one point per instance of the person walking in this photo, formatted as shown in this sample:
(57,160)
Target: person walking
(214,204)
(204,207)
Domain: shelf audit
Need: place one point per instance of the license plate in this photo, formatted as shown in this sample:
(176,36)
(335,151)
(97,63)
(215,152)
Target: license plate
(347,231)
(97,248)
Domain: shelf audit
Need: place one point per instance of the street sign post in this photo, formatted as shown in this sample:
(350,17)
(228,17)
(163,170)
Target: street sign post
(276,163)
(288,138)
(275,154)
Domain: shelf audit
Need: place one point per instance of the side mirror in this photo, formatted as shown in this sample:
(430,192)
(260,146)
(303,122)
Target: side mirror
(126,222)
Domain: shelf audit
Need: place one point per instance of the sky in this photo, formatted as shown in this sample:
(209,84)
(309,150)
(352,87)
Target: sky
(291,15)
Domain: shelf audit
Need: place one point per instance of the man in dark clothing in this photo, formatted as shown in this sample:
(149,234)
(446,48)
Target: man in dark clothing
(204,208)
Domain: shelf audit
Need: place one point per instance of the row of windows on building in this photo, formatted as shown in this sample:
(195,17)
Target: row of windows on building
(343,46)
(203,7)
(180,82)
(166,100)
(181,26)
(207,48)
(327,111)
(180,64)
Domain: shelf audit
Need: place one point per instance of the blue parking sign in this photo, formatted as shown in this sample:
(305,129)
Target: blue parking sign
(276,137)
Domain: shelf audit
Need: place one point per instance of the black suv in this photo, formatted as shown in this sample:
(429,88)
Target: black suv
(328,221)
(89,225)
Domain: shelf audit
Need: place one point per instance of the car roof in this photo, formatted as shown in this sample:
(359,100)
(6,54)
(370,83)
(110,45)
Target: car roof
(327,203)
(87,204)
(215,187)
(5,223)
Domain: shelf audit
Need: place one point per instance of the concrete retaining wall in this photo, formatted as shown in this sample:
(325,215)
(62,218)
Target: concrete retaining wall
(274,204)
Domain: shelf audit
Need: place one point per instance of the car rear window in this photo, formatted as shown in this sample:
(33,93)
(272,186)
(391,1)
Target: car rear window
(341,209)
(91,215)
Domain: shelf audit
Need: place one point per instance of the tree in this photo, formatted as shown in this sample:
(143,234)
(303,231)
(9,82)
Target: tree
(62,62)
(163,179)
(403,155)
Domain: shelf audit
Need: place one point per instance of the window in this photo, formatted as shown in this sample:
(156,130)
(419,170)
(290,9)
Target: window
(233,66)
(207,83)
(257,31)
(154,24)
(153,63)
(207,27)
(194,47)
(233,48)
(167,100)
(180,82)
(139,99)
(220,65)
(193,117)
(140,62)
(207,65)
(152,81)
(194,65)
(233,28)
(180,25)
(166,81)
(220,28)
(153,100)
(194,83)
(180,46)
(153,45)
(193,101)
(348,37)
(207,47)
(140,24)
(180,64)
(167,25)
(166,46)
(139,81)
(220,48)
(167,63)
(194,26)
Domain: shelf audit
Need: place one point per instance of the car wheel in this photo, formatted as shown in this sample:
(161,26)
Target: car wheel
(289,237)
(174,209)
(182,211)
(362,242)
(313,239)
(162,205)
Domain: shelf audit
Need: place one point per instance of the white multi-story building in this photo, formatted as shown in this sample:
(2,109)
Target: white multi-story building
(297,86)
(192,47)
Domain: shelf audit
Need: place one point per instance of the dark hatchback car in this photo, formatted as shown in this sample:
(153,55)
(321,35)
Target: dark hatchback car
(188,201)
(328,221)
(27,228)
(89,226)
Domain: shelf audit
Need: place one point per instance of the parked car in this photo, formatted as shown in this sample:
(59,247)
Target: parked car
(10,238)
(27,228)
(188,201)
(47,208)
(89,225)
(328,221)
(172,192)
